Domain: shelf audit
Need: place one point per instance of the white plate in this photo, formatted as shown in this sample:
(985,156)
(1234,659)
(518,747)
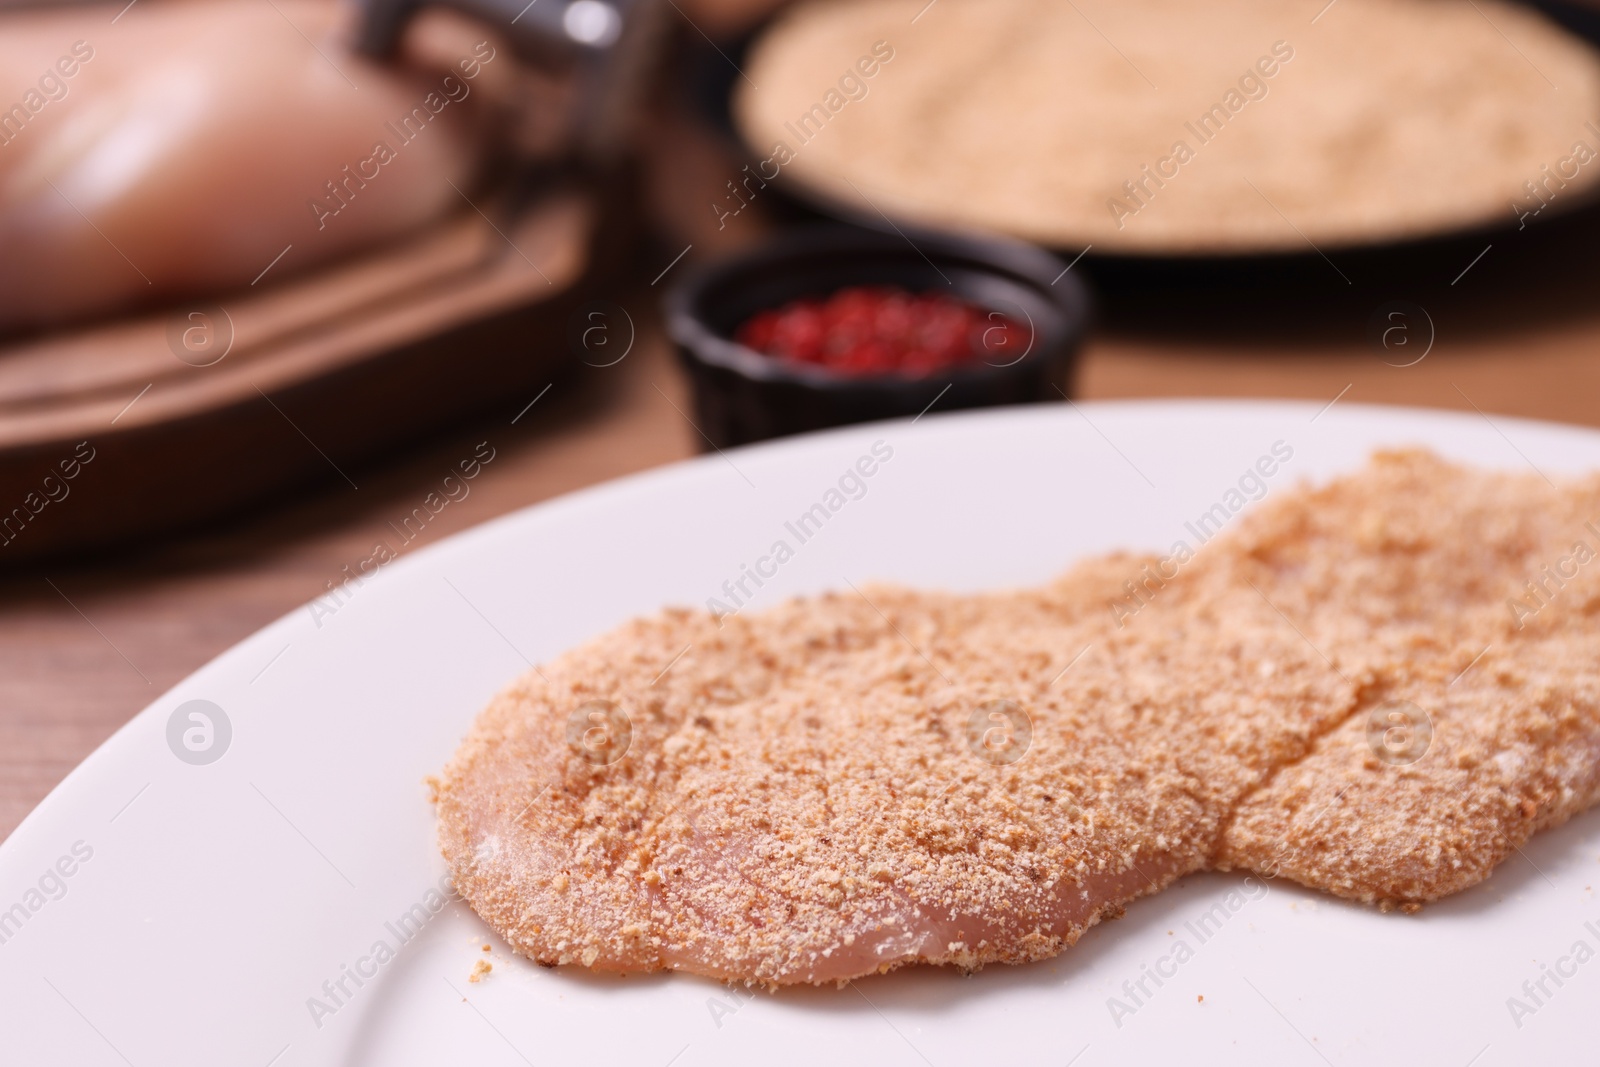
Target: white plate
(217,899)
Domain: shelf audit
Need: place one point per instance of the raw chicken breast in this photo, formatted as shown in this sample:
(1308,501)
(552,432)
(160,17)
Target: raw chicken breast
(180,147)
(848,784)
(1380,688)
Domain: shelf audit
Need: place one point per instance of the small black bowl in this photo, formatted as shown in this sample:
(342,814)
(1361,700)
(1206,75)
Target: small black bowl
(742,395)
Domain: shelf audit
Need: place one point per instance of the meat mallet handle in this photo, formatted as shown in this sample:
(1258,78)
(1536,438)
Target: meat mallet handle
(542,31)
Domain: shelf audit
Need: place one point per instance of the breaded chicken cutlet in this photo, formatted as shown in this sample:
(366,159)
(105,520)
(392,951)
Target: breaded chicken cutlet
(849,783)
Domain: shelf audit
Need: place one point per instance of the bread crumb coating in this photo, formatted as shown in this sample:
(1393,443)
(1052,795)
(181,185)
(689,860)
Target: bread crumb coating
(1334,690)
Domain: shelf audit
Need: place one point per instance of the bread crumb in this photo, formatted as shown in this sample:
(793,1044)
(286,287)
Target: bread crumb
(1034,62)
(841,820)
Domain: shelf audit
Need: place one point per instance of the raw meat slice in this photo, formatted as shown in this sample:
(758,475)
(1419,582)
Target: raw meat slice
(193,142)
(1341,689)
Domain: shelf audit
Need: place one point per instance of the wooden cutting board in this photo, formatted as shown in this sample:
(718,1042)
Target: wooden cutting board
(126,429)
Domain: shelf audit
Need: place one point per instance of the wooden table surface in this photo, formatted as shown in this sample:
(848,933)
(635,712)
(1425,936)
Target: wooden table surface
(83,647)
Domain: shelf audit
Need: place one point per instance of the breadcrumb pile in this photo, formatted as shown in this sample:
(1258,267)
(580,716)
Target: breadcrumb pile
(850,783)
(1014,116)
